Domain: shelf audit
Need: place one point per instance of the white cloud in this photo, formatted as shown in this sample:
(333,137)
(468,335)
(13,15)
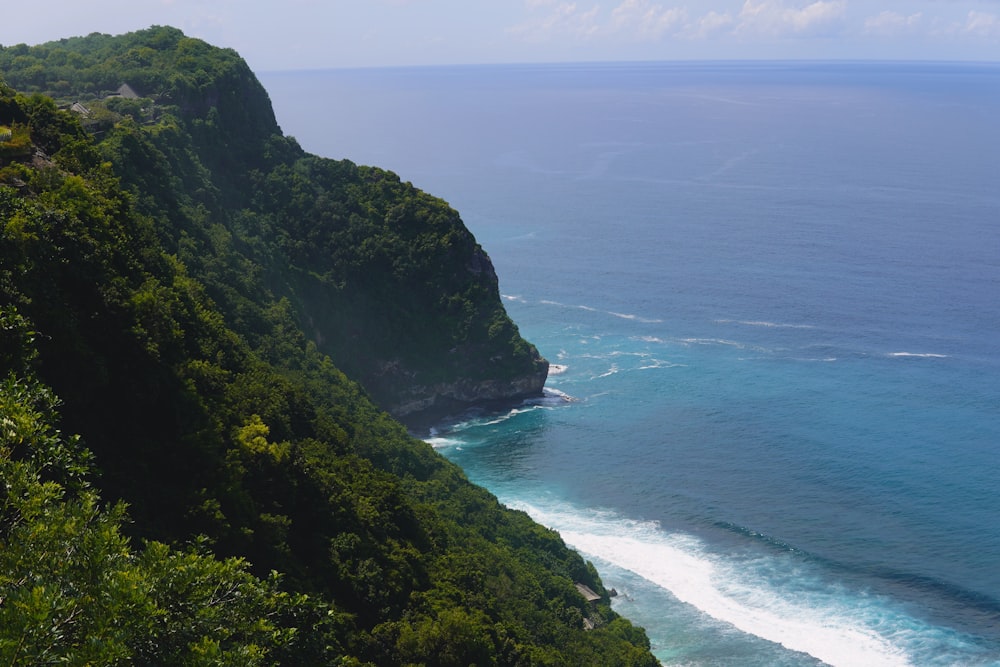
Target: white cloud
(772,17)
(747,28)
(976,26)
(562,19)
(651,20)
(711,24)
(892,23)
(982,24)
(643,19)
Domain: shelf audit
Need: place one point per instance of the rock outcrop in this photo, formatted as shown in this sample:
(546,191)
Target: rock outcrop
(417,402)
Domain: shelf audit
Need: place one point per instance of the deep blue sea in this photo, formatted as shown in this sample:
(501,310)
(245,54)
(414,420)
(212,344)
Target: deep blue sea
(771,295)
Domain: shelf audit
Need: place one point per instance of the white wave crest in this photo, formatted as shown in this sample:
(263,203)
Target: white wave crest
(918,355)
(629,316)
(713,341)
(549,392)
(611,371)
(614,354)
(766,324)
(591,309)
(528,407)
(659,363)
(818,622)
(442,442)
(551,398)
(548,302)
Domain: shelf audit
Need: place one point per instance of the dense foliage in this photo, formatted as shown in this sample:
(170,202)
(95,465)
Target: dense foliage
(385,279)
(191,317)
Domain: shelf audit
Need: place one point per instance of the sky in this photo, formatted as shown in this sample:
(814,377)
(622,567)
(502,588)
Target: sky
(319,34)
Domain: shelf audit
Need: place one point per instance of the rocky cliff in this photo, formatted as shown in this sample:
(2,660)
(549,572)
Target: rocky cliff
(415,402)
(382,277)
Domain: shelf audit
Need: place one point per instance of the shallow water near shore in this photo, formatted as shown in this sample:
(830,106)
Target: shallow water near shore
(772,293)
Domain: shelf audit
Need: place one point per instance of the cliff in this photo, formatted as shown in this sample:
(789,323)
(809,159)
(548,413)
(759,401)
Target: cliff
(181,286)
(416,318)
(385,279)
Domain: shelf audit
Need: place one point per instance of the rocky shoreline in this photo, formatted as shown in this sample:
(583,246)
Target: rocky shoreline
(420,406)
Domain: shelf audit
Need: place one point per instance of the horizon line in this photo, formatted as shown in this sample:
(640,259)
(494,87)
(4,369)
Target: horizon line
(663,61)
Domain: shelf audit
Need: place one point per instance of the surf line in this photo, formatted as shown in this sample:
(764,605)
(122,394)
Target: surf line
(678,564)
(824,634)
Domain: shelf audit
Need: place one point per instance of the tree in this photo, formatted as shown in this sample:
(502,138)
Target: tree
(74,590)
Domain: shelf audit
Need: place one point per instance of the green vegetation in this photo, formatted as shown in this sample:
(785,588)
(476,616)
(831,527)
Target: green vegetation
(193,287)
(15,142)
(73,589)
(383,278)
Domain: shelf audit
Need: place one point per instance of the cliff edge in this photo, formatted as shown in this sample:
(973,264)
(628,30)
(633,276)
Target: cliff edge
(383,278)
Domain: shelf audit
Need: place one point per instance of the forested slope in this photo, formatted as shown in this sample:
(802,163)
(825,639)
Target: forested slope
(383,278)
(192,286)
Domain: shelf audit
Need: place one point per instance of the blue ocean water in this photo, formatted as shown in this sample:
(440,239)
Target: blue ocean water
(771,292)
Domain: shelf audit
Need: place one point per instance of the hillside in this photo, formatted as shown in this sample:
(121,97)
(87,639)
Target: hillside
(203,297)
(383,278)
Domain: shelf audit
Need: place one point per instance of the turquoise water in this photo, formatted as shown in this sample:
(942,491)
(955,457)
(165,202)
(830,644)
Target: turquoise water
(771,294)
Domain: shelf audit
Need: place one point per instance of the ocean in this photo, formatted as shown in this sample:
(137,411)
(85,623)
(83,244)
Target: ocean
(770,292)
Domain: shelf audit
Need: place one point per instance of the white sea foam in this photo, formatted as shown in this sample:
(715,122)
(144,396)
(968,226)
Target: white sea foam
(591,309)
(659,363)
(551,398)
(919,355)
(712,341)
(550,392)
(766,324)
(511,414)
(557,369)
(636,318)
(725,342)
(442,442)
(549,302)
(611,371)
(814,619)
(614,354)
(647,361)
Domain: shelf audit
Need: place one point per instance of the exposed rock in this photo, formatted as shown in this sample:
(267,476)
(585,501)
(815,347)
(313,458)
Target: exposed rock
(423,401)
(588,594)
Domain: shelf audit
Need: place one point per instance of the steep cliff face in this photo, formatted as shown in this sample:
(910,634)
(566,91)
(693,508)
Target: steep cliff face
(418,373)
(415,402)
(382,277)
(417,318)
